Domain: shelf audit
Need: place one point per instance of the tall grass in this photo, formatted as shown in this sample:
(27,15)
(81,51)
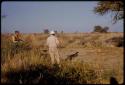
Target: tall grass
(27,65)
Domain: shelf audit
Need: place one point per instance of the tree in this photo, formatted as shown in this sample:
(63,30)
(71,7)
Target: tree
(105,29)
(100,29)
(97,28)
(46,31)
(116,9)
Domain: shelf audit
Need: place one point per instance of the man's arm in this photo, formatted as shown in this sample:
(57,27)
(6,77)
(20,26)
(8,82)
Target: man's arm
(13,39)
(47,43)
(57,42)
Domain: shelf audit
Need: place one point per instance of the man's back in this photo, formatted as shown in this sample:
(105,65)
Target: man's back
(52,41)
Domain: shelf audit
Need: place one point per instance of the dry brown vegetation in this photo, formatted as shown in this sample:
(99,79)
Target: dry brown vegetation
(97,61)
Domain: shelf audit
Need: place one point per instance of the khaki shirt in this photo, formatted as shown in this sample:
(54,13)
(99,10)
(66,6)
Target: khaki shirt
(52,41)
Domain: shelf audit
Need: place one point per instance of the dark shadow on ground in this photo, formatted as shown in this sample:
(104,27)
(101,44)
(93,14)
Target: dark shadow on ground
(38,75)
(113,81)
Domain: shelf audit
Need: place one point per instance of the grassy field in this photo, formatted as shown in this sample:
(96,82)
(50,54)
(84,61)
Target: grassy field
(97,62)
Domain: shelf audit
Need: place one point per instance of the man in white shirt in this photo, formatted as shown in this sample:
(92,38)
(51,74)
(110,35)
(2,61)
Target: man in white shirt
(53,44)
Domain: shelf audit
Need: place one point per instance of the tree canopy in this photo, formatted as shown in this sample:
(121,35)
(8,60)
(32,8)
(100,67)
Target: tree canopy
(100,29)
(116,8)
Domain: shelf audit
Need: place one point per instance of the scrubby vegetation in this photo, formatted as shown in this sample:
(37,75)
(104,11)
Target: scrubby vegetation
(101,29)
(116,41)
(29,62)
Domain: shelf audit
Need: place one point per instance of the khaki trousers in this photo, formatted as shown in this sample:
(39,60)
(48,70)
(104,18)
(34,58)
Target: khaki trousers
(54,54)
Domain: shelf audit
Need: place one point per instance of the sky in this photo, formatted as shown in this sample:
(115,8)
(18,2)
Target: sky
(67,16)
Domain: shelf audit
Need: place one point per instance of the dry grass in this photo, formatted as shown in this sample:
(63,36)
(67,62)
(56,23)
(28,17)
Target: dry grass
(95,64)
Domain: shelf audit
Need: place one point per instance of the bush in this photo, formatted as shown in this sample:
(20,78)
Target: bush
(105,29)
(76,73)
(20,47)
(115,41)
(97,29)
(46,31)
(100,29)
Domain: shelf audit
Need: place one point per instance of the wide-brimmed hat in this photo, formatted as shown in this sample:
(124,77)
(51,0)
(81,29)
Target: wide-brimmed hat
(52,32)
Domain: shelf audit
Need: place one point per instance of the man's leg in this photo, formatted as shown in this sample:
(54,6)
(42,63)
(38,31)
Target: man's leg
(57,56)
(52,57)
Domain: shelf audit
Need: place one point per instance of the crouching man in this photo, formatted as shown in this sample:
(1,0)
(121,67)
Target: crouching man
(16,37)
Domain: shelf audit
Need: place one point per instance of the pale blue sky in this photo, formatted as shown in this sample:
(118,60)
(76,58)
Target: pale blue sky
(29,17)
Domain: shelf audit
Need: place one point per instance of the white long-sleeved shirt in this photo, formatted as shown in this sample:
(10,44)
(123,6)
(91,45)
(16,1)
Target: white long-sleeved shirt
(52,41)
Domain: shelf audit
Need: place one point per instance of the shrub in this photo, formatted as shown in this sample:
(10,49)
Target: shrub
(100,29)
(20,47)
(77,73)
(105,29)
(46,31)
(97,29)
(115,41)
